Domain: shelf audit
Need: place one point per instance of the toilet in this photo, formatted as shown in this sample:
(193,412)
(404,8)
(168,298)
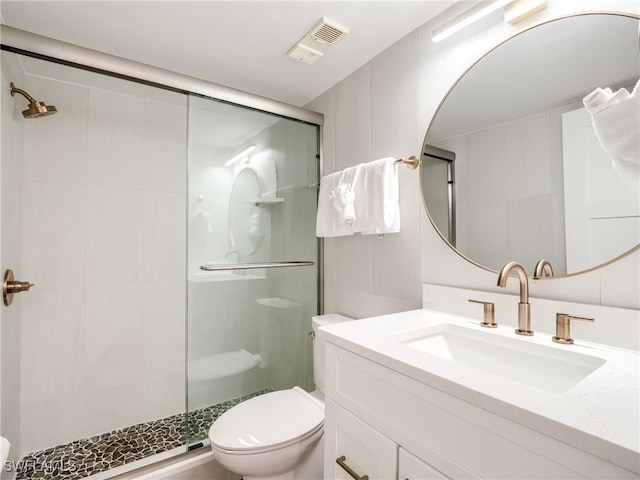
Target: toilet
(277,435)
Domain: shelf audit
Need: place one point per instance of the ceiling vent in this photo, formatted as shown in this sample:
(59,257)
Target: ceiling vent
(325,34)
(328,32)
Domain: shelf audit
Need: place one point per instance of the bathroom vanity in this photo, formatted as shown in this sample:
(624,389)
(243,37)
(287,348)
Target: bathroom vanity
(430,395)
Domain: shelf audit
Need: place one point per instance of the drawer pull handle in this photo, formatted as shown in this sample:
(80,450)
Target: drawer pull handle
(342,461)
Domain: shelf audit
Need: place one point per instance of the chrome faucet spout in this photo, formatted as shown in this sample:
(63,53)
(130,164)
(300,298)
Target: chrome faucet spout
(522,276)
(542,268)
(524,309)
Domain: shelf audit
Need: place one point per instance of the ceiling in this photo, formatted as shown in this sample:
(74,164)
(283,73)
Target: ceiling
(239,44)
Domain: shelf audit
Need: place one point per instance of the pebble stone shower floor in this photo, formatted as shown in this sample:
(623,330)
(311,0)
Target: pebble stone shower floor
(88,456)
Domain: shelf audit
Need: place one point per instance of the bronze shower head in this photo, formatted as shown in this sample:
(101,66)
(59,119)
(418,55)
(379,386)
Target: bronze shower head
(36,109)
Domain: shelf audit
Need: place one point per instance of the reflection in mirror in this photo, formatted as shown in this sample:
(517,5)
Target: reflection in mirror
(531,179)
(245,212)
(439,184)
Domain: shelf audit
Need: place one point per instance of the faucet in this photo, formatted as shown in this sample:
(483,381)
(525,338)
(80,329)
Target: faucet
(524,309)
(542,269)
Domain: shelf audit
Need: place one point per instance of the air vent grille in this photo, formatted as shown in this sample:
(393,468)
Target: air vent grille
(328,34)
(317,41)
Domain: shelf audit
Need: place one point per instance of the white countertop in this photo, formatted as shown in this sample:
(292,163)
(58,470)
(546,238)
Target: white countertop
(600,414)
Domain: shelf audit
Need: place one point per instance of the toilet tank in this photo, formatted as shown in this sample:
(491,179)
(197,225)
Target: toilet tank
(319,345)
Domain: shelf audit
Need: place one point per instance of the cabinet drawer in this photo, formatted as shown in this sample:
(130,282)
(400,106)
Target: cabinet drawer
(412,468)
(365,451)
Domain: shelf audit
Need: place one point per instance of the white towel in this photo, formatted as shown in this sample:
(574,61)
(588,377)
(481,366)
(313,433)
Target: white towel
(361,199)
(597,100)
(332,220)
(377,207)
(344,195)
(616,121)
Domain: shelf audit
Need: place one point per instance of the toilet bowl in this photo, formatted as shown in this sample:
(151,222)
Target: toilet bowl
(278,434)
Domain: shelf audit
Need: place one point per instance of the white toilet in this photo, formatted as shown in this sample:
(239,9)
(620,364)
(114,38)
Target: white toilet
(277,435)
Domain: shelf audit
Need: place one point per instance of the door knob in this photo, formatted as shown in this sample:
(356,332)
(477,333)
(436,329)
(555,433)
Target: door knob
(11,286)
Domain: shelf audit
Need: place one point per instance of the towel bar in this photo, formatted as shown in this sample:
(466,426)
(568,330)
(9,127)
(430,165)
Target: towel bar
(412,162)
(249,266)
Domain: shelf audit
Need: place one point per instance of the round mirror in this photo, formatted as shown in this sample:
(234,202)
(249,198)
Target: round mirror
(245,213)
(511,168)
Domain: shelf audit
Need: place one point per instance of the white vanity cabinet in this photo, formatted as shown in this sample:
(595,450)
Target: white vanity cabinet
(411,467)
(359,451)
(391,426)
(357,446)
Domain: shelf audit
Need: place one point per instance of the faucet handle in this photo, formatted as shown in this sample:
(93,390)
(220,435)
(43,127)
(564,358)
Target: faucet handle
(563,321)
(489,314)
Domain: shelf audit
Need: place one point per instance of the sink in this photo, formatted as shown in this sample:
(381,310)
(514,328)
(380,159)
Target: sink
(548,368)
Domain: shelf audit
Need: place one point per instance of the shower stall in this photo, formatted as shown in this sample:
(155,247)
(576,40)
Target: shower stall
(168,228)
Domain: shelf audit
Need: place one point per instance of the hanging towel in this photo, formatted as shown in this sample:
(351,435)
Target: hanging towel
(616,122)
(336,198)
(361,199)
(344,195)
(377,208)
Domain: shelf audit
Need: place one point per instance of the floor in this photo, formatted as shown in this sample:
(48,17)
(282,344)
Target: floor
(88,456)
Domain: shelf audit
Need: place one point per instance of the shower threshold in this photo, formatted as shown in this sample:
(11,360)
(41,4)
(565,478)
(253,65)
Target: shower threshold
(90,456)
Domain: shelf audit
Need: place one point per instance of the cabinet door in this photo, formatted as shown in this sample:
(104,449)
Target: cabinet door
(353,449)
(412,468)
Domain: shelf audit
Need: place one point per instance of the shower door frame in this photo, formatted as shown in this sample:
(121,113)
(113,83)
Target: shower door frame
(32,45)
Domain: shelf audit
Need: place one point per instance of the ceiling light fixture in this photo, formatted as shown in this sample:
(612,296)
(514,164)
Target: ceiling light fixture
(465,19)
(304,53)
(244,153)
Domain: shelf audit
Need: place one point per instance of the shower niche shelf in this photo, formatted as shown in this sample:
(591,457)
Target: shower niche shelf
(277,302)
(226,364)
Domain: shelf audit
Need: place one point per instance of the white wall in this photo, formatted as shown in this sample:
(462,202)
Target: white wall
(103,239)
(384,109)
(10,239)
(366,275)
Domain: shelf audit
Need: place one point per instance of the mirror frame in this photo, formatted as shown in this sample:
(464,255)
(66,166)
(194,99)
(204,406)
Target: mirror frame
(435,114)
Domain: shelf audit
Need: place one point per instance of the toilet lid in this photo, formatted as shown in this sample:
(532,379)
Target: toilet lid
(269,421)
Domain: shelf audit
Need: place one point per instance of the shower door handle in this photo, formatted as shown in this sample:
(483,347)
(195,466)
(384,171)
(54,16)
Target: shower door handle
(10,286)
(250,266)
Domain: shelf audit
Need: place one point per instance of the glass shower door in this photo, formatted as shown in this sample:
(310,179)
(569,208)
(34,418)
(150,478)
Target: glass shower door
(252,256)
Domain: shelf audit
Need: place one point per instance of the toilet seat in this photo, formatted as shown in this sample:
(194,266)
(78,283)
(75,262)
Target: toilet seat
(268,422)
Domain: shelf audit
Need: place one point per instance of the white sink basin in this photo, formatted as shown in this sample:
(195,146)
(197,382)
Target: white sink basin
(545,367)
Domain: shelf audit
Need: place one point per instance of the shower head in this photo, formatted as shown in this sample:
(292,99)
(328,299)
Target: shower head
(36,109)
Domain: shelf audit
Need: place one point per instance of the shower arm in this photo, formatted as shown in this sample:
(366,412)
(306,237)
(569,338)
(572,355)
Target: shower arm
(15,90)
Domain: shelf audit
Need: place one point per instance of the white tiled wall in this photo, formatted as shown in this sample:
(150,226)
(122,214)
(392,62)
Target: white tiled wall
(384,109)
(491,200)
(367,275)
(104,241)
(11,149)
